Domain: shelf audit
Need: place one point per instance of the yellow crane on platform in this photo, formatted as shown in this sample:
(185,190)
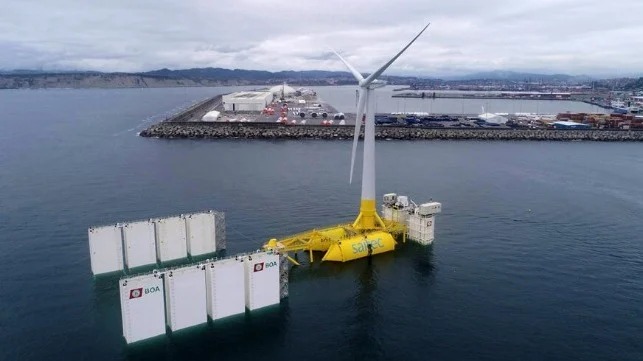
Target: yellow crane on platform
(368,234)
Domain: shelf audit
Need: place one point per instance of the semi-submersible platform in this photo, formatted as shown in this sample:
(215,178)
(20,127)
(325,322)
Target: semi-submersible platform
(369,234)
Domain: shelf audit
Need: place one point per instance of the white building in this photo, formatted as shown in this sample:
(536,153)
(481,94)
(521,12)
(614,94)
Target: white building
(247,101)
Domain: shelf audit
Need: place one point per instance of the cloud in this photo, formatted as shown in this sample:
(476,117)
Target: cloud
(571,36)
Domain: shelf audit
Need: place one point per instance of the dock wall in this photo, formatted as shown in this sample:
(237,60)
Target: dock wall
(201,130)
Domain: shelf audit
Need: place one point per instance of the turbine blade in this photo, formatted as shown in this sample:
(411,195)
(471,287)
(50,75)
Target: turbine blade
(379,71)
(358,124)
(356,73)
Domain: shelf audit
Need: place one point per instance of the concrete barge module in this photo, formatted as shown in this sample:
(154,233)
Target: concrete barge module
(272,131)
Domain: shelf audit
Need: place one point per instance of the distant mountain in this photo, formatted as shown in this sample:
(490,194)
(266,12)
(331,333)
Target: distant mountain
(40,72)
(34,79)
(219,76)
(242,74)
(96,80)
(19,71)
(634,84)
(521,77)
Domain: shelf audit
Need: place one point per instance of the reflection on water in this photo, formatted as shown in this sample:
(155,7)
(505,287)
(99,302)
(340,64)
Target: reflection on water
(363,324)
(221,339)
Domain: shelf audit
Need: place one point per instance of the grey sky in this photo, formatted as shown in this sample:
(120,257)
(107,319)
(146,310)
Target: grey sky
(596,37)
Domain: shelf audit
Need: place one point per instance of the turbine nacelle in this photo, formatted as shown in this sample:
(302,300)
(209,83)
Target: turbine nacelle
(373,84)
(377,84)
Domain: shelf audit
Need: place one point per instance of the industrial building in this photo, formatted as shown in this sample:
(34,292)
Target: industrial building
(247,101)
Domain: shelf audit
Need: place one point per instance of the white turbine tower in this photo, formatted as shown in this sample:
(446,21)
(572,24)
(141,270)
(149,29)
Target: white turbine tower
(368,217)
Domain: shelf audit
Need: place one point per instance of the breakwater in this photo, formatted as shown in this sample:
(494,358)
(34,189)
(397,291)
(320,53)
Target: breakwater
(481,95)
(202,130)
(592,99)
(196,111)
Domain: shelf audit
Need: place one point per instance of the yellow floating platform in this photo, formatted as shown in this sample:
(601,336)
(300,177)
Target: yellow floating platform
(360,246)
(341,243)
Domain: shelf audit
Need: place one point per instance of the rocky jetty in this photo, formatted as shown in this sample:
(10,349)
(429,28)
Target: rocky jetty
(200,130)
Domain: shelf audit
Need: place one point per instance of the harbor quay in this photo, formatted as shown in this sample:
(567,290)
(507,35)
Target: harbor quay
(282,112)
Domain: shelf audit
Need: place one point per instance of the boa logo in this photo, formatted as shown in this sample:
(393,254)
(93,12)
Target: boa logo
(152,289)
(135,293)
(139,292)
(258,267)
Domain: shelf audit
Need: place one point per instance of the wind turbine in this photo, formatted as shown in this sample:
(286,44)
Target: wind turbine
(368,218)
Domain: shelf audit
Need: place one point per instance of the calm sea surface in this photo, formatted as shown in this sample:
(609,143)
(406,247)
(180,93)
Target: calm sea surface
(538,253)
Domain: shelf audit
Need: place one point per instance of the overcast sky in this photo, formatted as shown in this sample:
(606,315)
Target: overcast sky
(595,37)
